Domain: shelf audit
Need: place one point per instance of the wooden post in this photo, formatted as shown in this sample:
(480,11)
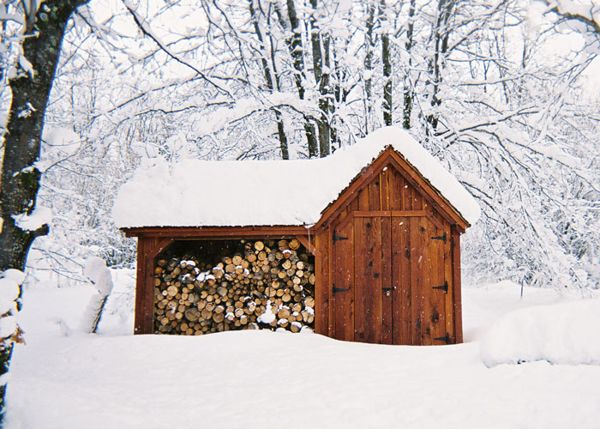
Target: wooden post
(458,333)
(140,279)
(148,249)
(321,285)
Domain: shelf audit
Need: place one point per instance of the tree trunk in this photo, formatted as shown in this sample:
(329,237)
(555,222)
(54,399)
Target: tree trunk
(440,35)
(325,101)
(408,90)
(387,68)
(296,50)
(283,142)
(20,178)
(271,80)
(369,45)
(321,74)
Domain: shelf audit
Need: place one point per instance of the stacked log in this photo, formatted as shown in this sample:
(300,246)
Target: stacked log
(269,286)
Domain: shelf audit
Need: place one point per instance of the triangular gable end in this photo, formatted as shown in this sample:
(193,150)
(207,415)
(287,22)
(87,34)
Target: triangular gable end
(389,157)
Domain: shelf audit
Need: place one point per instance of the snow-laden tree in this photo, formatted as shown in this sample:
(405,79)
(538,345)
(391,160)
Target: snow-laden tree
(485,86)
(31,41)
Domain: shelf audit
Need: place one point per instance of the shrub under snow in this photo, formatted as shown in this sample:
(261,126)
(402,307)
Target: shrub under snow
(99,275)
(567,333)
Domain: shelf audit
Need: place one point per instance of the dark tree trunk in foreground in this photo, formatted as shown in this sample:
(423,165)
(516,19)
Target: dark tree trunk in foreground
(20,178)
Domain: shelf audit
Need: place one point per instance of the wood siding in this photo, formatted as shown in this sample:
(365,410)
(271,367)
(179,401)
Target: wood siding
(392,272)
(384,272)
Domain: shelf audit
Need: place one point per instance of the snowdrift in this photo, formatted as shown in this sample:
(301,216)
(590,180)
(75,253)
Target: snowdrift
(565,333)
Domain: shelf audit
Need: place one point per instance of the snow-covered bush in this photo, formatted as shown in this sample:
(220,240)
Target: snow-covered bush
(100,277)
(565,333)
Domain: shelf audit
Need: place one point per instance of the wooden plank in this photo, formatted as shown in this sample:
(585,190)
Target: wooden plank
(343,300)
(406,195)
(450,329)
(363,199)
(360,266)
(373,286)
(371,213)
(330,275)
(387,298)
(417,203)
(321,285)
(148,288)
(180,233)
(437,300)
(458,333)
(382,213)
(384,179)
(394,189)
(374,189)
(139,287)
(425,267)
(403,322)
(416,279)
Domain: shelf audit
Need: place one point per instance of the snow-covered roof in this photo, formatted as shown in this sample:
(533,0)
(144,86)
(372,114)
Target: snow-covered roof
(261,193)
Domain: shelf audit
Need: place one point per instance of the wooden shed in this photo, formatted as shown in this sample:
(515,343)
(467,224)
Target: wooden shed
(383,219)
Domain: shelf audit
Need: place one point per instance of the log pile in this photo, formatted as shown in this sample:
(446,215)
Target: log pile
(269,286)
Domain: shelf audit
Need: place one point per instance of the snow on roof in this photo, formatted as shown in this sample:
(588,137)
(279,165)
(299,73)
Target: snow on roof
(260,193)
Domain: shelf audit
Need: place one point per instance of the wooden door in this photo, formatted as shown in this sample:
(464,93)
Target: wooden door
(389,279)
(420,248)
(372,279)
(343,281)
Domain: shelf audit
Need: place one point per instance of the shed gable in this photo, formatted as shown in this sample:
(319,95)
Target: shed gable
(326,184)
(391,183)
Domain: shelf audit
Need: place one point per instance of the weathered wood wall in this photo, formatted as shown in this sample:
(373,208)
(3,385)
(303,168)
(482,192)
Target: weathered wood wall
(391,272)
(387,259)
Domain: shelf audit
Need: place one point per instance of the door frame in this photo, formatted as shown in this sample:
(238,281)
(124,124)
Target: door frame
(449,277)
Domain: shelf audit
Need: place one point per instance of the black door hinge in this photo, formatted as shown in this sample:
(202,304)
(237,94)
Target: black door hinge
(440,237)
(446,338)
(443,287)
(338,237)
(340,289)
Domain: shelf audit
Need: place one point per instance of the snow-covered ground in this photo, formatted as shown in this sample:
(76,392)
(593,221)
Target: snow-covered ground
(65,379)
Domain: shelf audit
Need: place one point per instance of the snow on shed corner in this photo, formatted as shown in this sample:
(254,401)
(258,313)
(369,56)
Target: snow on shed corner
(274,192)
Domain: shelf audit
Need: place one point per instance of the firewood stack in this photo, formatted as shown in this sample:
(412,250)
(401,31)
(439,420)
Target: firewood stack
(271,286)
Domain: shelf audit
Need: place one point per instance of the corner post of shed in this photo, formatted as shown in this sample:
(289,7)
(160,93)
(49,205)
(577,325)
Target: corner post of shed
(140,289)
(456,274)
(148,248)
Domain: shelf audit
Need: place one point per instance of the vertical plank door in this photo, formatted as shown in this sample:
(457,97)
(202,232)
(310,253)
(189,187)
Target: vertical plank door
(343,281)
(401,280)
(390,280)
(438,242)
(368,277)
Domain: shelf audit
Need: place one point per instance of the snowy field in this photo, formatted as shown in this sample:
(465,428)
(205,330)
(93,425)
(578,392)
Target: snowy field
(255,379)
